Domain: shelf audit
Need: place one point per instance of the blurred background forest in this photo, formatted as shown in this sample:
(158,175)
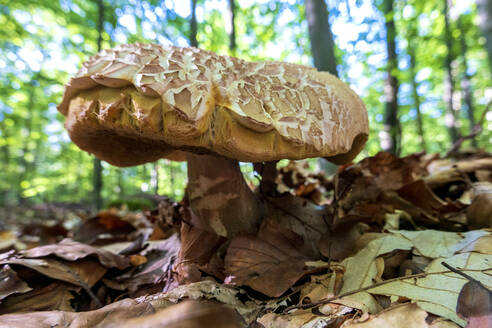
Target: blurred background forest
(422,68)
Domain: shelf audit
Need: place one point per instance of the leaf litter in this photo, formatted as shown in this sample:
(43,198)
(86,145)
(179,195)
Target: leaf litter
(369,247)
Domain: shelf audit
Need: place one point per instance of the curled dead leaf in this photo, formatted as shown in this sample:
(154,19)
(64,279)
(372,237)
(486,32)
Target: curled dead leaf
(188,314)
(10,283)
(72,251)
(270,262)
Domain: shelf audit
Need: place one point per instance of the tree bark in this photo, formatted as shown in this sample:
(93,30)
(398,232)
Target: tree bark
(193,25)
(154,177)
(413,73)
(321,37)
(97,180)
(452,120)
(232,33)
(484,8)
(466,82)
(392,131)
(416,98)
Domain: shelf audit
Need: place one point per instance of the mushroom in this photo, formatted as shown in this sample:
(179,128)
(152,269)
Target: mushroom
(141,102)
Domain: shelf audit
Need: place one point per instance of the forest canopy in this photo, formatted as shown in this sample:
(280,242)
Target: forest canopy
(440,75)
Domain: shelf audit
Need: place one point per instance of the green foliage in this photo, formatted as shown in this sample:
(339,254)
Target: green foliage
(44,42)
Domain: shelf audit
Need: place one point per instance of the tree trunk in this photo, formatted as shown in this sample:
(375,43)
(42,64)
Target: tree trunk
(412,45)
(416,98)
(392,131)
(97,181)
(232,32)
(321,37)
(193,25)
(452,120)
(484,8)
(466,83)
(154,178)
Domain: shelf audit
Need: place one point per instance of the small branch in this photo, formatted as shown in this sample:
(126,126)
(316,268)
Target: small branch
(334,298)
(475,131)
(461,273)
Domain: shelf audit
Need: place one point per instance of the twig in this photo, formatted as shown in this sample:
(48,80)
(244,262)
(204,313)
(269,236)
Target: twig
(381,283)
(475,131)
(461,273)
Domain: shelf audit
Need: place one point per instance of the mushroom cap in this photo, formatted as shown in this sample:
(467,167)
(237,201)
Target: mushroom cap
(140,102)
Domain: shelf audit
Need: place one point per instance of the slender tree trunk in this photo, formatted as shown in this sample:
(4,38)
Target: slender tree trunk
(322,49)
(452,120)
(232,29)
(26,166)
(193,25)
(466,82)
(154,177)
(484,8)
(321,37)
(392,131)
(97,180)
(416,98)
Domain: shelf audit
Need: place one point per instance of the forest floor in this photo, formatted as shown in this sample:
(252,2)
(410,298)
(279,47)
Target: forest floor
(387,242)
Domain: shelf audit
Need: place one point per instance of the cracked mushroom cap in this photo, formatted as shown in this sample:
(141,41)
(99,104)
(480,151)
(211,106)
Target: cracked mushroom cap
(140,102)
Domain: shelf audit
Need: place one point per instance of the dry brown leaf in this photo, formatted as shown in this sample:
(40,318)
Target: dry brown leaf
(342,241)
(106,227)
(301,216)
(55,296)
(118,311)
(367,179)
(298,319)
(7,240)
(454,171)
(197,248)
(210,290)
(421,196)
(137,260)
(81,273)
(72,251)
(407,315)
(10,283)
(270,262)
(479,213)
(188,314)
(160,256)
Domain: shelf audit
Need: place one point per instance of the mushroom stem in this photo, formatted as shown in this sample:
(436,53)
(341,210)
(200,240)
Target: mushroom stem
(220,199)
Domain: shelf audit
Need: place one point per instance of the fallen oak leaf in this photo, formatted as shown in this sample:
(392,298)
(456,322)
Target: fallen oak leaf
(270,262)
(99,318)
(209,290)
(55,296)
(105,227)
(83,273)
(187,314)
(10,283)
(70,250)
(160,256)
